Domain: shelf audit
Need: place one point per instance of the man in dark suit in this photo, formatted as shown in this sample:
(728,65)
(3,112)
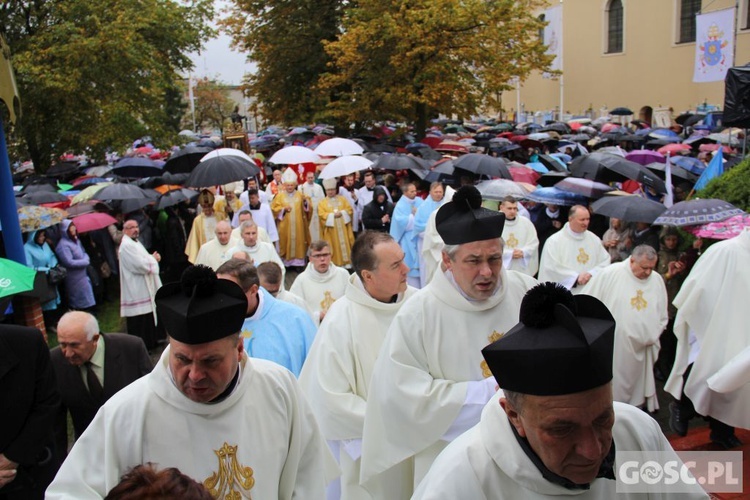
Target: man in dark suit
(91,367)
(29,402)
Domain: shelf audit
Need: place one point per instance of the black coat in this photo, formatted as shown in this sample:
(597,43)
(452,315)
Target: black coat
(373,212)
(29,402)
(125,360)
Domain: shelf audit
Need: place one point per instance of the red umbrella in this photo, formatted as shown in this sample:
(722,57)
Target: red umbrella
(451,147)
(432,141)
(673,148)
(93,221)
(715,147)
(524,174)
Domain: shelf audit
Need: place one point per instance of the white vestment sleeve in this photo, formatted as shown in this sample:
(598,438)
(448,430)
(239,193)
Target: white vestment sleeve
(477,395)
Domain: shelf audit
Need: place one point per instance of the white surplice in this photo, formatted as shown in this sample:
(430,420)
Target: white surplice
(487,462)
(713,305)
(262,234)
(261,440)
(260,253)
(567,254)
(320,290)
(520,234)
(430,381)
(336,379)
(639,307)
(139,279)
(213,254)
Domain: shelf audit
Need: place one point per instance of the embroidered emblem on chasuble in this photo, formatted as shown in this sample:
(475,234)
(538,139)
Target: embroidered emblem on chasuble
(246,334)
(325,304)
(512,241)
(583,257)
(495,336)
(231,476)
(638,302)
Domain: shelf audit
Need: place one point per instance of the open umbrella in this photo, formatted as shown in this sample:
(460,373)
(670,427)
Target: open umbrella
(39,197)
(87,193)
(698,211)
(629,208)
(497,189)
(345,165)
(293,155)
(723,230)
(551,179)
(621,111)
(584,187)
(15,278)
(99,171)
(451,147)
(554,196)
(121,191)
(185,160)
(175,196)
(138,166)
(63,169)
(221,170)
(32,217)
(339,147)
(34,188)
(92,221)
(481,164)
(522,173)
(677,172)
(553,163)
(604,167)
(693,165)
(645,156)
(399,161)
(225,152)
(674,148)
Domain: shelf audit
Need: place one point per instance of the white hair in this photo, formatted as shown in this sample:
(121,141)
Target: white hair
(90,325)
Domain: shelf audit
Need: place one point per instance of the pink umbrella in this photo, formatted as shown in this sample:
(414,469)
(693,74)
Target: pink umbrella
(645,156)
(715,147)
(674,148)
(608,127)
(524,174)
(93,221)
(723,230)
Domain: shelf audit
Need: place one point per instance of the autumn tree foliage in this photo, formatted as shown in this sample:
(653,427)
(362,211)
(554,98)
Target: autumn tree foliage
(92,74)
(408,59)
(212,104)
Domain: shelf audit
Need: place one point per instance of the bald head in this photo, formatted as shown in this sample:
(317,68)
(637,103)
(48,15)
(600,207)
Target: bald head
(77,335)
(223,232)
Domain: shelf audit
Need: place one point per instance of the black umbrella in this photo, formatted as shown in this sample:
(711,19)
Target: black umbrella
(221,170)
(39,197)
(439,171)
(481,164)
(629,208)
(63,169)
(687,119)
(35,188)
(605,167)
(556,127)
(621,112)
(174,197)
(399,161)
(137,167)
(551,178)
(677,172)
(123,191)
(186,159)
(551,163)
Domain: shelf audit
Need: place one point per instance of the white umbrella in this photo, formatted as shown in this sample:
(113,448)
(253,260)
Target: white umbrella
(500,188)
(293,155)
(339,147)
(187,133)
(227,152)
(345,165)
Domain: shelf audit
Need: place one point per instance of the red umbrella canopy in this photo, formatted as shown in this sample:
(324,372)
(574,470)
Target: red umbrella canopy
(524,174)
(93,221)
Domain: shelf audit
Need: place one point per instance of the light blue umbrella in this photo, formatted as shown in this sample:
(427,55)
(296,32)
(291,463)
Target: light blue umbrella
(555,196)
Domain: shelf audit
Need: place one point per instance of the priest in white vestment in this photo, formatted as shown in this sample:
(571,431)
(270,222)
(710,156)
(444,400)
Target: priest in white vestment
(521,251)
(252,184)
(637,298)
(204,225)
(711,329)
(240,426)
(322,282)
(553,430)
(247,215)
(258,251)
(315,192)
(430,382)
(262,215)
(573,255)
(432,243)
(336,375)
(219,250)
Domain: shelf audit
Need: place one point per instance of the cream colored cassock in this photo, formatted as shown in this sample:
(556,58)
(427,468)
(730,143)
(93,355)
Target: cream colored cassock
(712,319)
(336,381)
(567,254)
(488,463)
(320,291)
(213,254)
(430,381)
(315,193)
(640,311)
(520,234)
(261,441)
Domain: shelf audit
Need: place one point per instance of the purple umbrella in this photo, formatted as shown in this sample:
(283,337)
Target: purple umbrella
(645,156)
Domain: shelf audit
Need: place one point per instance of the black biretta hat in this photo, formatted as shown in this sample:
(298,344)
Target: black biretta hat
(201,308)
(563,345)
(464,220)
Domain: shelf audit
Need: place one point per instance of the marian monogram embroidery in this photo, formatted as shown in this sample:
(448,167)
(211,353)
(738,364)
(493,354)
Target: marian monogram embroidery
(583,257)
(512,241)
(495,336)
(325,304)
(246,334)
(638,302)
(231,475)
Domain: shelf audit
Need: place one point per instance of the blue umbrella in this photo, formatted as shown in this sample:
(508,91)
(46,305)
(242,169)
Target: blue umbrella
(555,196)
(538,167)
(663,133)
(693,165)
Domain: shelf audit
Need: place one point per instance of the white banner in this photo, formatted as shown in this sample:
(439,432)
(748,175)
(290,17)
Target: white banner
(553,35)
(714,45)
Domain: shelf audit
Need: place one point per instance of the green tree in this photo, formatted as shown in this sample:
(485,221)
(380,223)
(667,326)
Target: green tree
(286,40)
(92,74)
(732,186)
(212,104)
(407,59)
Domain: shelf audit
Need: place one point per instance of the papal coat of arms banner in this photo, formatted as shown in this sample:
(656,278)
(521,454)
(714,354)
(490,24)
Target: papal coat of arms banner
(714,45)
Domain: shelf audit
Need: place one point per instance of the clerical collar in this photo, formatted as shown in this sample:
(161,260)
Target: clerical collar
(449,274)
(230,388)
(573,234)
(606,469)
(254,207)
(552,215)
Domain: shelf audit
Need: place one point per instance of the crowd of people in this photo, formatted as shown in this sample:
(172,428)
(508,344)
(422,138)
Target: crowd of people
(348,328)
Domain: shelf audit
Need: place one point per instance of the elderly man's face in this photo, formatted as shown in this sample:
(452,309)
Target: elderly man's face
(290,187)
(579,222)
(277,176)
(203,371)
(223,232)
(642,267)
(572,433)
(476,267)
(72,340)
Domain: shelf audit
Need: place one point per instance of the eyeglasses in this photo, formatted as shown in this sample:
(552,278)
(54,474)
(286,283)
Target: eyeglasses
(320,255)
